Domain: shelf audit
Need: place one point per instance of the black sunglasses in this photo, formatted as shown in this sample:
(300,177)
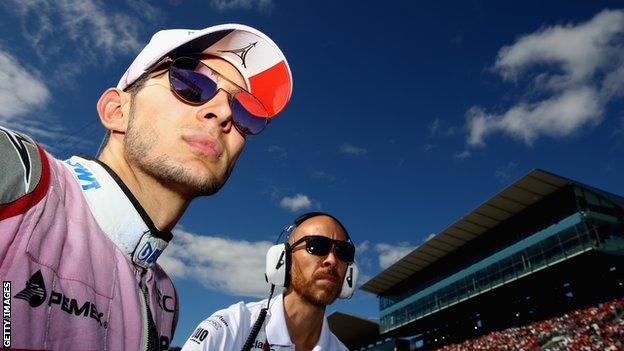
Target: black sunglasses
(321,246)
(196,83)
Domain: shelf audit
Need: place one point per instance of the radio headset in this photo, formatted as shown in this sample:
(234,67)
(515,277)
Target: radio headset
(277,270)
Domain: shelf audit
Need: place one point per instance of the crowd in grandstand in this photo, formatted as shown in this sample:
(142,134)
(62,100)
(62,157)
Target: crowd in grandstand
(595,328)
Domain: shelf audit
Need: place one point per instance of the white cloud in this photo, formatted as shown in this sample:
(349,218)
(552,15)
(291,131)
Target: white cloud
(462,155)
(231,266)
(261,5)
(111,33)
(503,173)
(81,32)
(613,85)
(276,149)
(21,89)
(389,254)
(434,127)
(274,192)
(148,11)
(579,50)
(429,237)
(349,149)
(362,247)
(296,203)
(569,72)
(323,175)
(65,36)
(557,116)
(438,128)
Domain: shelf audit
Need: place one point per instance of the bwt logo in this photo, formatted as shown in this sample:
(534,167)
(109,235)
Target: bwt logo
(87,178)
(148,253)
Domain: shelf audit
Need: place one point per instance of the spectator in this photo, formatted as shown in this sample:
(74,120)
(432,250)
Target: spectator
(594,328)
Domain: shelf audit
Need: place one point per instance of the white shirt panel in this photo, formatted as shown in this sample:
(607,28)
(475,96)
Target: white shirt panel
(228,329)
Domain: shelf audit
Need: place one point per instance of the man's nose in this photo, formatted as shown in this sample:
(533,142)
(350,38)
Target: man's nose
(331,259)
(217,110)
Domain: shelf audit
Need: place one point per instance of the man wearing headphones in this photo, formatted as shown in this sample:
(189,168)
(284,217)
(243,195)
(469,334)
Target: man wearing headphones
(316,265)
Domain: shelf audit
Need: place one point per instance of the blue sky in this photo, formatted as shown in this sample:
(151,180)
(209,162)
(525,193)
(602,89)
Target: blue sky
(405,116)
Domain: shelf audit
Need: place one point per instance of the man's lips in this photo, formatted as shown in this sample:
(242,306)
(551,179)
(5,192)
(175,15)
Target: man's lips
(328,277)
(205,145)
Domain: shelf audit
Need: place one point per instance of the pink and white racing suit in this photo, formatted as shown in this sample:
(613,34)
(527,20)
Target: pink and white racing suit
(77,257)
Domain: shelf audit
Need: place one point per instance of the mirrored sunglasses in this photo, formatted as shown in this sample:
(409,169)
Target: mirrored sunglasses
(196,83)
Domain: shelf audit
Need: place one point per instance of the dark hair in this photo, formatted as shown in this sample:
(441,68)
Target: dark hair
(133,89)
(137,85)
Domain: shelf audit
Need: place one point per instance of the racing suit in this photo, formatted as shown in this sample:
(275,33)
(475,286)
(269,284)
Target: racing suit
(228,329)
(77,256)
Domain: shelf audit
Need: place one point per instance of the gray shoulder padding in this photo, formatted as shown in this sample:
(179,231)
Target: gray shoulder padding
(20,165)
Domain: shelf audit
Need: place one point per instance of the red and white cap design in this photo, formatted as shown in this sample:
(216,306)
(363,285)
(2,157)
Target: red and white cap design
(259,60)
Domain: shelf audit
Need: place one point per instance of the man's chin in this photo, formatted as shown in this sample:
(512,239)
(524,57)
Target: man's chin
(326,295)
(207,187)
(327,298)
(204,182)
(193,185)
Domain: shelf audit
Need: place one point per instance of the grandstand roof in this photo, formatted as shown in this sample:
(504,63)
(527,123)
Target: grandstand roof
(526,191)
(353,331)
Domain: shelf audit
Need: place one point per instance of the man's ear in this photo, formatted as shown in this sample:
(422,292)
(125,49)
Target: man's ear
(112,109)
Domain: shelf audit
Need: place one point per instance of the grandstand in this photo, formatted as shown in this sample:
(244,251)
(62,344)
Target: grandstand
(541,250)
(594,328)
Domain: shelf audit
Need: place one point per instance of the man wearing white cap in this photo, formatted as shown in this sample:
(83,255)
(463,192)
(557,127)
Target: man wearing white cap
(80,238)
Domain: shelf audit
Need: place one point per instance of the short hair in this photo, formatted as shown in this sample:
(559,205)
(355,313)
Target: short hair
(133,89)
(137,85)
(304,217)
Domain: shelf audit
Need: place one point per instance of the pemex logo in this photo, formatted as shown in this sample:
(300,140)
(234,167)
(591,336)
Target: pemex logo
(35,292)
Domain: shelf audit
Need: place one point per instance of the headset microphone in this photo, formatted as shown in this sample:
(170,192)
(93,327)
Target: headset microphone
(278,259)
(258,324)
(277,270)
(262,316)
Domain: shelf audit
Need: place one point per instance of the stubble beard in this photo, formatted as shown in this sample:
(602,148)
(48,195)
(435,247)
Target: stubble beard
(305,288)
(137,146)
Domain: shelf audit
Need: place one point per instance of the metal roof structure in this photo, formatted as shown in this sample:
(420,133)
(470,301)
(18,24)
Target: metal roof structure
(353,331)
(516,197)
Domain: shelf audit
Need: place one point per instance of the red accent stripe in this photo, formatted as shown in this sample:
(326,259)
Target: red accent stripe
(272,87)
(29,200)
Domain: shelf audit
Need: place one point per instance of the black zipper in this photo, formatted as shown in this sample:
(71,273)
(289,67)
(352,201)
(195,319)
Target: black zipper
(152,334)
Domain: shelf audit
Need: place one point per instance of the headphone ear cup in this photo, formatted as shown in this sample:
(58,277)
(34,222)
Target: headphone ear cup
(278,265)
(350,281)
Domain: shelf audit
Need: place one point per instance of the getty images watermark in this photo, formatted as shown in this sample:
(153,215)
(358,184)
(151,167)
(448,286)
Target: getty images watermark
(6,314)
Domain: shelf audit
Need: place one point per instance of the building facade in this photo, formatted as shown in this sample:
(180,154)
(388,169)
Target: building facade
(541,246)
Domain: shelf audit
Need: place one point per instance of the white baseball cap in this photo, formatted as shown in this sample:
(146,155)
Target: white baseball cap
(259,60)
